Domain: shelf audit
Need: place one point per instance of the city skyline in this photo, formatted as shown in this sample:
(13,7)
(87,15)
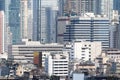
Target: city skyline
(59,38)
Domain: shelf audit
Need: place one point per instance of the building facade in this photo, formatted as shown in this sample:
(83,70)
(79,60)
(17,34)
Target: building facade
(57,64)
(88,27)
(85,51)
(113,54)
(24,52)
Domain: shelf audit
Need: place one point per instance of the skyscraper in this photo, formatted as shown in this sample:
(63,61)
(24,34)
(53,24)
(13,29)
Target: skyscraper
(107,8)
(61,7)
(30,19)
(44,16)
(14,20)
(1,32)
(36,19)
(24,18)
(48,25)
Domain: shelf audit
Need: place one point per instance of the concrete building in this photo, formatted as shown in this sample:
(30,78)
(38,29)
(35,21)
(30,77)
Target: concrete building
(24,18)
(1,32)
(85,51)
(57,64)
(24,52)
(86,28)
(30,19)
(113,54)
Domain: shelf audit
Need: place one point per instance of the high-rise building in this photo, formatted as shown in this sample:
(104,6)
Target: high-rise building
(1,32)
(61,7)
(30,19)
(107,8)
(14,20)
(44,16)
(24,18)
(88,27)
(79,7)
(48,25)
(36,19)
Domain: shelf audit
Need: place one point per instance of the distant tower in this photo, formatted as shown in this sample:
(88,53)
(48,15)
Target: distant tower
(1,31)
(80,7)
(14,20)
(30,19)
(24,18)
(107,8)
(44,17)
(36,19)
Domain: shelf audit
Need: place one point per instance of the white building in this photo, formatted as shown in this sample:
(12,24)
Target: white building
(84,50)
(57,64)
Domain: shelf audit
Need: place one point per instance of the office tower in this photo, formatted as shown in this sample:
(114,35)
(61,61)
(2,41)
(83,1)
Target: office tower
(79,7)
(24,18)
(36,19)
(48,25)
(14,20)
(88,27)
(1,32)
(44,16)
(107,8)
(30,19)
